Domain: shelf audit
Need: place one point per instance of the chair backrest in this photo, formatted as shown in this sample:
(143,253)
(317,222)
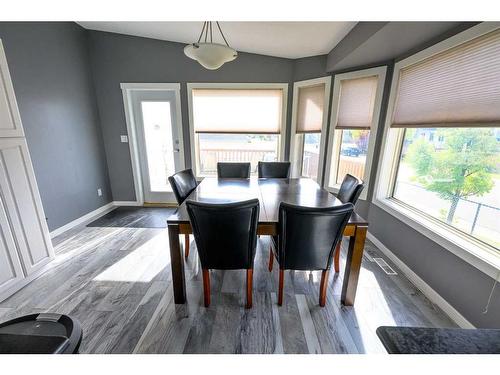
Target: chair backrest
(307,236)
(225,234)
(183,183)
(350,189)
(273,169)
(233,170)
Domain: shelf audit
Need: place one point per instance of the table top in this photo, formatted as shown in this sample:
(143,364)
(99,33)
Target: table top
(417,340)
(269,191)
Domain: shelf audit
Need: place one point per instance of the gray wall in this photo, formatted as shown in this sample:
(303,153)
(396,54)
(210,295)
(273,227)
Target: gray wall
(309,68)
(118,58)
(49,65)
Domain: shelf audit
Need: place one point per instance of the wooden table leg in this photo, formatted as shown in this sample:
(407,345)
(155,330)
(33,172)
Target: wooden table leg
(353,265)
(177,264)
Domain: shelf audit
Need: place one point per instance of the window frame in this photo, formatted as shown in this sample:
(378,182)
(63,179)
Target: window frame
(236,86)
(478,254)
(296,149)
(335,135)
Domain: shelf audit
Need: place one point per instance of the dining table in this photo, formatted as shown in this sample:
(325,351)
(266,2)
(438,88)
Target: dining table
(270,192)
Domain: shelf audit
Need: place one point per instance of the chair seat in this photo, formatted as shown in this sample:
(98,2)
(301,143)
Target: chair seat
(32,344)
(43,333)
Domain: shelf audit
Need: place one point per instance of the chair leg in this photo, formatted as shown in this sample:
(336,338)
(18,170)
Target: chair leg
(280,287)
(323,287)
(249,288)
(271,260)
(206,287)
(186,245)
(336,258)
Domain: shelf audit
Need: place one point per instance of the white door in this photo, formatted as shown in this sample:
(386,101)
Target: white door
(159,141)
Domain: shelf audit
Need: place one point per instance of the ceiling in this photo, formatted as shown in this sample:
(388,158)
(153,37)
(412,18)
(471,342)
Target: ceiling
(282,39)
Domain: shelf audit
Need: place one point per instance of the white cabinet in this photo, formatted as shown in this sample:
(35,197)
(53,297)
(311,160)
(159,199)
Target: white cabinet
(10,120)
(25,245)
(11,272)
(23,205)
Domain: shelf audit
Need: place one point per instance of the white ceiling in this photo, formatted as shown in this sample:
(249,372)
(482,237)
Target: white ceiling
(281,39)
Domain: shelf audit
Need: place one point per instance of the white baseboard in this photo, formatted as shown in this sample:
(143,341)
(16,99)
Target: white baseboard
(126,203)
(85,219)
(430,293)
(91,216)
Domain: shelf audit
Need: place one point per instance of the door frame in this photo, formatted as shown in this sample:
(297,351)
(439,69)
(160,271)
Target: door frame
(127,89)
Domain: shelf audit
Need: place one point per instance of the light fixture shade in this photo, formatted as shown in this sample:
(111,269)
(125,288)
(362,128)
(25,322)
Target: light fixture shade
(210,55)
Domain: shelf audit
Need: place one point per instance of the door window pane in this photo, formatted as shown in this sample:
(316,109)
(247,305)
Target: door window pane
(213,148)
(310,156)
(352,153)
(158,143)
(453,175)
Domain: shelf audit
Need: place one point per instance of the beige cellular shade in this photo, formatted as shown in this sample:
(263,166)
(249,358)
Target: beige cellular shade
(310,108)
(357,102)
(458,87)
(248,111)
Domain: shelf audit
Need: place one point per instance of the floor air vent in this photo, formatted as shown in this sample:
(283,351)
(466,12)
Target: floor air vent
(385,267)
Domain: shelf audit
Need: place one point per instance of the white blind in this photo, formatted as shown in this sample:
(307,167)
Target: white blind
(458,87)
(310,108)
(357,102)
(237,111)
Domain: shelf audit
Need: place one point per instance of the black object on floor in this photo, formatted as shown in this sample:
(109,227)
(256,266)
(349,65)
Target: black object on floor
(416,340)
(135,217)
(43,333)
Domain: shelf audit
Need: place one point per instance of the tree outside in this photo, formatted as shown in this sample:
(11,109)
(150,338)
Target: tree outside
(463,168)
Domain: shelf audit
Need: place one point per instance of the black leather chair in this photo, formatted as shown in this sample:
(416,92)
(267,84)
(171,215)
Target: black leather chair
(183,183)
(349,192)
(307,238)
(273,169)
(233,170)
(350,189)
(226,238)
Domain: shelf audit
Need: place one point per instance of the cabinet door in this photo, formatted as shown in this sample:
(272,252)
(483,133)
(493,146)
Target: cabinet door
(10,266)
(10,120)
(23,204)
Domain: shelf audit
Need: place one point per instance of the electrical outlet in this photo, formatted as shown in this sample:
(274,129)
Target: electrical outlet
(124,138)
(99,192)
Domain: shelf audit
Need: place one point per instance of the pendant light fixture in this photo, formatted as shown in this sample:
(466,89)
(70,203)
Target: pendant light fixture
(209,54)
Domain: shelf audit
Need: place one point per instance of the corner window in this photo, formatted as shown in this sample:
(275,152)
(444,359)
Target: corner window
(440,164)
(235,123)
(310,108)
(355,113)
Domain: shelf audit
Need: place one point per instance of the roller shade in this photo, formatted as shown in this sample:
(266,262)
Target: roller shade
(235,111)
(458,87)
(310,108)
(357,102)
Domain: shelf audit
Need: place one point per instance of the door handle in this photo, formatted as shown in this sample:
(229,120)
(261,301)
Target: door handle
(177,150)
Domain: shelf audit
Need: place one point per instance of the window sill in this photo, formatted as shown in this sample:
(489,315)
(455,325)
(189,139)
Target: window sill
(479,255)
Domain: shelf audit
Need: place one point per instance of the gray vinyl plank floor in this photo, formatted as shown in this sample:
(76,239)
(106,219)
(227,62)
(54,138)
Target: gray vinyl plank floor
(114,277)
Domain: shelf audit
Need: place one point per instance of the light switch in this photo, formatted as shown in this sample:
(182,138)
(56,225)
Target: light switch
(124,139)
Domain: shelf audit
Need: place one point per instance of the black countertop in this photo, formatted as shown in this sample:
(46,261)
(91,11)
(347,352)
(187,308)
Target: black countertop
(416,340)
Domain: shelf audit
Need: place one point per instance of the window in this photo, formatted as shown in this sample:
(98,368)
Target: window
(440,167)
(236,123)
(456,180)
(310,106)
(355,113)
